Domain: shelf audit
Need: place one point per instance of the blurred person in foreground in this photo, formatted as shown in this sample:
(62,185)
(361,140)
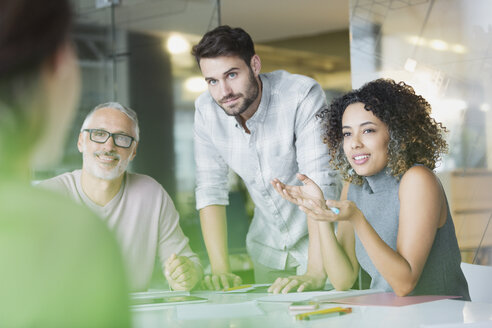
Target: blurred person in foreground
(60,265)
(134,206)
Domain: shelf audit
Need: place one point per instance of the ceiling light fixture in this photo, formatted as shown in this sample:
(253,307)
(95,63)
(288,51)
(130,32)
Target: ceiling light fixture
(176,44)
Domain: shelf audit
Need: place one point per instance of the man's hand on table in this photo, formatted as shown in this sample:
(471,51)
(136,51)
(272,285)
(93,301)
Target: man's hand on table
(297,283)
(221,281)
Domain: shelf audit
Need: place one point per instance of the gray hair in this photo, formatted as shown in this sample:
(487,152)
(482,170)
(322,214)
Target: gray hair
(132,115)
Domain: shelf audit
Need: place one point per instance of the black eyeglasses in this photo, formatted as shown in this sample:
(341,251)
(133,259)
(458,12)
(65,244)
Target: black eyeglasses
(101,136)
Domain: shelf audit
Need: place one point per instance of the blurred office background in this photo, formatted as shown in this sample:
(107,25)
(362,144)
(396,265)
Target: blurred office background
(137,52)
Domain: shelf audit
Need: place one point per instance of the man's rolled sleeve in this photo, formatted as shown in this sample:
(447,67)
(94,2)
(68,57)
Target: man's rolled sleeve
(312,153)
(211,170)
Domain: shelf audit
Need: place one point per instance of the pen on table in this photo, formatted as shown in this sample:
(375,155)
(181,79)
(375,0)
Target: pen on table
(237,287)
(320,313)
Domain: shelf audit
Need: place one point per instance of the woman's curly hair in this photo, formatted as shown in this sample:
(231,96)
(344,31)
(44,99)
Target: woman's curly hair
(415,137)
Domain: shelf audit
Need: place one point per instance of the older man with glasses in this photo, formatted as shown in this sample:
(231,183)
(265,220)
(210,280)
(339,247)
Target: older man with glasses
(134,206)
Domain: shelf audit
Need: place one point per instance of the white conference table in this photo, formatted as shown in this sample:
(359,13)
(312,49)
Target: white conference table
(250,310)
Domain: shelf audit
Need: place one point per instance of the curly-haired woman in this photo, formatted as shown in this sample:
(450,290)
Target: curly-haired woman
(393,217)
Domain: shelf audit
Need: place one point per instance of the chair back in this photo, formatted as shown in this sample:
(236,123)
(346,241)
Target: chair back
(479,278)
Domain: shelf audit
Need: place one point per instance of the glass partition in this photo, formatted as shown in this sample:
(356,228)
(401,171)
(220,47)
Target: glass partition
(137,52)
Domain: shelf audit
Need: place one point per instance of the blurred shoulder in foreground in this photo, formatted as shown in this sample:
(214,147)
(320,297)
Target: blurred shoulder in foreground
(60,264)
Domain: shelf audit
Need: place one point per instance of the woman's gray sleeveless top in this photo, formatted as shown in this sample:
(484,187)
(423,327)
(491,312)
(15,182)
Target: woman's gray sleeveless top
(378,200)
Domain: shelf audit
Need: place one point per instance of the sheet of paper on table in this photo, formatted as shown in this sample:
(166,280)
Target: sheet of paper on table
(208,311)
(157,293)
(246,288)
(319,296)
(389,299)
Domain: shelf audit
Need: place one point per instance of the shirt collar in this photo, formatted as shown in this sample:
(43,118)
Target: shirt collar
(259,115)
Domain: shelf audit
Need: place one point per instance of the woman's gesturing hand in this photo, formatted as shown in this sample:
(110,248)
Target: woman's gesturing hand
(308,197)
(299,195)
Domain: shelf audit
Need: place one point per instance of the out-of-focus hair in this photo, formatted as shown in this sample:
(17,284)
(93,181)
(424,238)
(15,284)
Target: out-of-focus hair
(31,32)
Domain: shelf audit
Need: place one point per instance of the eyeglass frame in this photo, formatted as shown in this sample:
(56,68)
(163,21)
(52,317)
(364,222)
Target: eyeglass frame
(110,135)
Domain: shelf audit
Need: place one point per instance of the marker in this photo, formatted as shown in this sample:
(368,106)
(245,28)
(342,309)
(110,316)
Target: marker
(335,210)
(323,313)
(238,287)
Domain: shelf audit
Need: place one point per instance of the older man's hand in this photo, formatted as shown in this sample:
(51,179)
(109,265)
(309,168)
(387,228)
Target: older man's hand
(181,273)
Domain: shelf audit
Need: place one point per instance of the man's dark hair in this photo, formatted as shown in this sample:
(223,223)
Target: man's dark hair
(225,41)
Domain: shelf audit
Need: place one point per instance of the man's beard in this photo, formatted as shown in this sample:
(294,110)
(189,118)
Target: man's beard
(248,98)
(95,170)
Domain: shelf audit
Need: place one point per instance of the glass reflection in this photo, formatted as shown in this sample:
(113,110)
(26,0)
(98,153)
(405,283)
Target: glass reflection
(136,52)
